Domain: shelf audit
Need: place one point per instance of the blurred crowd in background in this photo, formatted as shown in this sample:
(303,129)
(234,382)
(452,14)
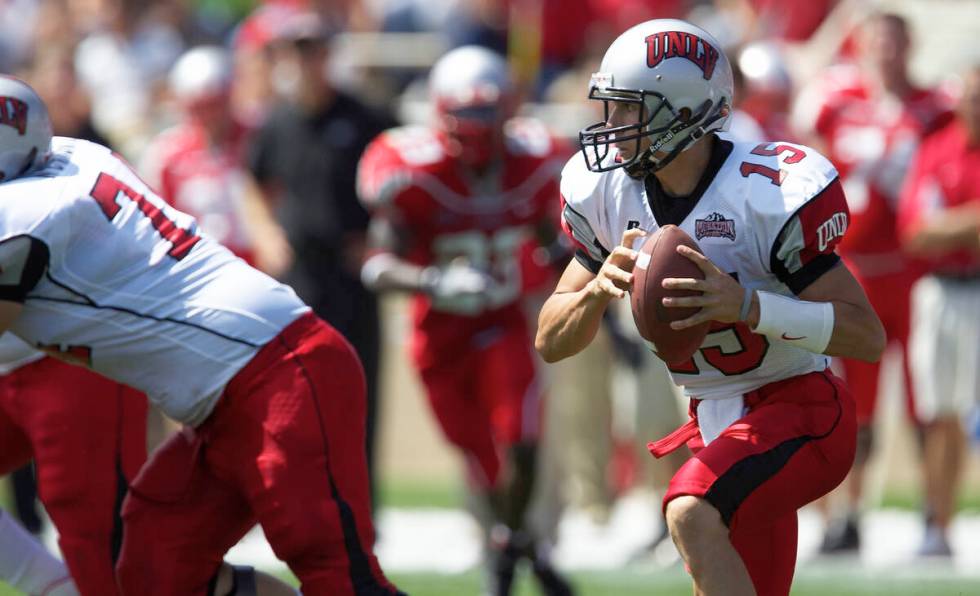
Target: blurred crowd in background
(253,115)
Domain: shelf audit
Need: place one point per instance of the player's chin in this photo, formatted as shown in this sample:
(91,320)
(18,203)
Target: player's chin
(626,155)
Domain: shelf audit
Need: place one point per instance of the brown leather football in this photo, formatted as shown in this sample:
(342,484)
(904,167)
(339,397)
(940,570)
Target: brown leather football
(658,259)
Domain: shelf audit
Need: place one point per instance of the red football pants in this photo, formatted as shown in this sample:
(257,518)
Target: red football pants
(486,398)
(284,447)
(795,445)
(87,436)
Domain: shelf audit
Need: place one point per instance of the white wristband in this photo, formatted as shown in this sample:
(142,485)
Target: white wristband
(807,325)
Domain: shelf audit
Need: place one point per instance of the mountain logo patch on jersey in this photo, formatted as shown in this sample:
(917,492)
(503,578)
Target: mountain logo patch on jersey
(715,225)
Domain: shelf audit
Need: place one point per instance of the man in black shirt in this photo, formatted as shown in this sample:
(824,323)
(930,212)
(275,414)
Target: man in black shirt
(305,158)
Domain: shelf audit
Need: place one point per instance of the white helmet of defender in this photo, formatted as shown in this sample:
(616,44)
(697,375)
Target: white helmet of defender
(473,94)
(25,129)
(201,72)
(680,78)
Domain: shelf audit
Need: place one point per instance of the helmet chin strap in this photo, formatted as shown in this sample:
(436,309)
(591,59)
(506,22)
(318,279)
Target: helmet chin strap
(647,164)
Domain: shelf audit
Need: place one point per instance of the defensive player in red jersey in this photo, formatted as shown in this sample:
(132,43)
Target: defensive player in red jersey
(454,206)
(772,428)
(197,164)
(87,437)
(272,398)
(939,221)
(871,117)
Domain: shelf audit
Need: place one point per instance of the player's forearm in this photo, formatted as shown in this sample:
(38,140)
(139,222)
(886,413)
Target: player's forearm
(386,272)
(857,334)
(831,327)
(953,229)
(569,322)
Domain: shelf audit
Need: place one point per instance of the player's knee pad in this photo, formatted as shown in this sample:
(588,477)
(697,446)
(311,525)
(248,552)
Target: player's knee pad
(865,444)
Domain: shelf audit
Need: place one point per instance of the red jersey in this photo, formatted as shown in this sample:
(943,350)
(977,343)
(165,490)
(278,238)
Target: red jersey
(406,176)
(204,181)
(871,141)
(945,173)
(791,20)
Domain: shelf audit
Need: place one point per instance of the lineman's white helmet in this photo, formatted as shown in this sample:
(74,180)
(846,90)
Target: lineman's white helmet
(680,77)
(25,129)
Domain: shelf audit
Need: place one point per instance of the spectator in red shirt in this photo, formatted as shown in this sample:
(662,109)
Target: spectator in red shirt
(198,165)
(870,117)
(940,222)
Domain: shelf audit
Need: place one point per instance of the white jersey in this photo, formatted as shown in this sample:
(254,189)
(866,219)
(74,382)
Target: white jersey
(769,214)
(113,277)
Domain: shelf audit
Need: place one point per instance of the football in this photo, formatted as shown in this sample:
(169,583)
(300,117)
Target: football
(658,259)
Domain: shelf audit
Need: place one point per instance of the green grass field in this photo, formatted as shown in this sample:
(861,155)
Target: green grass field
(675,583)
(449,495)
(837,578)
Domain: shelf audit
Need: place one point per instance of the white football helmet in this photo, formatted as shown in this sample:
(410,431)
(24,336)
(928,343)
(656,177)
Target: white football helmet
(201,73)
(680,78)
(764,68)
(25,129)
(472,91)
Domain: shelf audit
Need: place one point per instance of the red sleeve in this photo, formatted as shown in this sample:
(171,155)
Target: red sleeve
(911,204)
(824,124)
(385,184)
(377,172)
(805,247)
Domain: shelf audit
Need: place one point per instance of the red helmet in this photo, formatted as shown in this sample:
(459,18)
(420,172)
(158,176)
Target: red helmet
(472,91)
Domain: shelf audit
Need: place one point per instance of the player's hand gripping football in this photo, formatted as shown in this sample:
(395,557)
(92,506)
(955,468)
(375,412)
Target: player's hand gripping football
(615,278)
(720,301)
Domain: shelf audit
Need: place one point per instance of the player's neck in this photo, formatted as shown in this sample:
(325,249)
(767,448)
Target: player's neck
(680,177)
(897,85)
(316,97)
(217,132)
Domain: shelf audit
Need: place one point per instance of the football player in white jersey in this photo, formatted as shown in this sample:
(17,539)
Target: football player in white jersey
(771,429)
(271,397)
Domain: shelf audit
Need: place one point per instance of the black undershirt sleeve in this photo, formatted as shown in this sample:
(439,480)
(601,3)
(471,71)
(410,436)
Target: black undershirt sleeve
(587,261)
(23,260)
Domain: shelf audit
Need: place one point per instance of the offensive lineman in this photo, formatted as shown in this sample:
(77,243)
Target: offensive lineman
(271,397)
(772,429)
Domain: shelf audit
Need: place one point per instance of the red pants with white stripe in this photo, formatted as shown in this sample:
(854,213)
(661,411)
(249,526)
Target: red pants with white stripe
(284,447)
(794,445)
